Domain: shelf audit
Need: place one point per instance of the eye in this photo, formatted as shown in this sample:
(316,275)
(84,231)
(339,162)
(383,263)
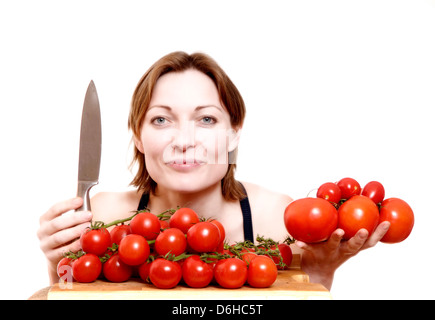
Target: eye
(158,121)
(208,120)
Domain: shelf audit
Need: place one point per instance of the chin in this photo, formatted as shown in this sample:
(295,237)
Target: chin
(189,185)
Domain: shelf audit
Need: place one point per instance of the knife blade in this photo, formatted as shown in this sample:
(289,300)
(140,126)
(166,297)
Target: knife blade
(90,146)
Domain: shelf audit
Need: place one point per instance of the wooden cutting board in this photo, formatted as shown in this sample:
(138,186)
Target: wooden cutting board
(290,284)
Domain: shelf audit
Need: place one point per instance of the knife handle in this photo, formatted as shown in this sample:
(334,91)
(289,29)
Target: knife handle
(83,188)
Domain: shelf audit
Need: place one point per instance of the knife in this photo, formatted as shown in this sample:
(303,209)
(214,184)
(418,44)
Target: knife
(90,146)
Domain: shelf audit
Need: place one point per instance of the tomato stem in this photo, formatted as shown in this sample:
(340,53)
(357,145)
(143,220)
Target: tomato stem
(74,256)
(166,215)
(213,256)
(312,190)
(289,240)
(171,257)
(120,221)
(266,246)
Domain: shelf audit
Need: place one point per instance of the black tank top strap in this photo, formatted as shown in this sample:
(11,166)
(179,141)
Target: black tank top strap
(244,205)
(143,203)
(247,217)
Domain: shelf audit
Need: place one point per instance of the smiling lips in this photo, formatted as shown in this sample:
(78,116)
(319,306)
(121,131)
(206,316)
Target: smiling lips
(185,164)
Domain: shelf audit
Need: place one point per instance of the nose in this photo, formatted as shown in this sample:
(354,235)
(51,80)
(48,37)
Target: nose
(184,137)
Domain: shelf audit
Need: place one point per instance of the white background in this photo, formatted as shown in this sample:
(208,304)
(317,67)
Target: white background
(332,88)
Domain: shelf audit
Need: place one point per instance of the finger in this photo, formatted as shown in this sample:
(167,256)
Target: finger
(60,208)
(332,244)
(354,244)
(62,238)
(334,240)
(56,254)
(66,221)
(377,235)
(303,245)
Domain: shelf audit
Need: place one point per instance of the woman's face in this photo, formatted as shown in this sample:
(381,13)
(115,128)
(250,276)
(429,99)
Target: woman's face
(186,134)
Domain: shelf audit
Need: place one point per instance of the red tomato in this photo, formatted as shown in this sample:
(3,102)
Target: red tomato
(356,213)
(401,217)
(164,224)
(64,267)
(262,272)
(87,268)
(183,219)
(115,270)
(248,256)
(119,232)
(145,224)
(171,240)
(95,241)
(144,271)
(231,273)
(375,191)
(221,232)
(310,220)
(203,237)
(134,249)
(165,274)
(197,273)
(329,191)
(349,187)
(286,254)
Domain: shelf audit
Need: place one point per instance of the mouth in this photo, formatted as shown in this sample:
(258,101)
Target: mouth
(185,161)
(185,164)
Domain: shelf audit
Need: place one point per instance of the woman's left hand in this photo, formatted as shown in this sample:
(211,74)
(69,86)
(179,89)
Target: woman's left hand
(320,260)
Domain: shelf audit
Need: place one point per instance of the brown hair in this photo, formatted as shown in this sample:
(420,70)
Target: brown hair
(228,93)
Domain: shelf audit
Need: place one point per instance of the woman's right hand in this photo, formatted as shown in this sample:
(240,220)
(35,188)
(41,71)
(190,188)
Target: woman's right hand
(59,232)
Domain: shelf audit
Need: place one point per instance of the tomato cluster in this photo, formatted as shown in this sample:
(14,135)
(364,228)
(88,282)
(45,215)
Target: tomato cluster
(347,206)
(171,247)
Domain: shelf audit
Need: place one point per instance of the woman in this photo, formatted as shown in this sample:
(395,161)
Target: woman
(186,118)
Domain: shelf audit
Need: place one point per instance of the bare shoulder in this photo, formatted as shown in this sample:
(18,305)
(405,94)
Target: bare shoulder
(267,208)
(265,198)
(109,206)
